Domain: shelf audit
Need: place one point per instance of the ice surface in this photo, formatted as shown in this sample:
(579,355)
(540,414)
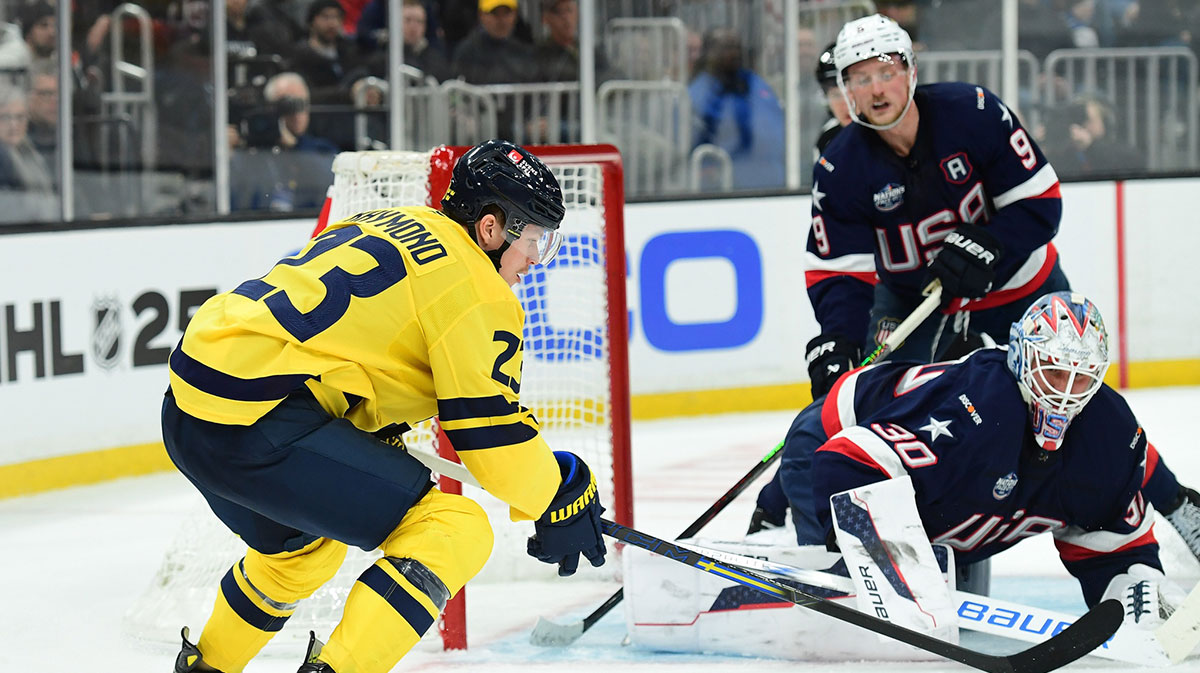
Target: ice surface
(73,561)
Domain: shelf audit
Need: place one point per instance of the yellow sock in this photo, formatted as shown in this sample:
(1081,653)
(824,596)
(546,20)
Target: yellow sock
(385,616)
(258,595)
(242,622)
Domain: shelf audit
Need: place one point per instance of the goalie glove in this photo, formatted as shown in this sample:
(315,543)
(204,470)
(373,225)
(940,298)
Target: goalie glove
(1184,517)
(571,524)
(1148,596)
(966,264)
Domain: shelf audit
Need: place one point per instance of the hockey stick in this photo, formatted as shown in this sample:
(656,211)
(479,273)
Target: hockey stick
(1086,634)
(933,299)
(985,614)
(1181,632)
(552,634)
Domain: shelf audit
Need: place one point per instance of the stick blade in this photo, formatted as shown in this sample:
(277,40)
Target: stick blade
(1087,633)
(1181,632)
(550,634)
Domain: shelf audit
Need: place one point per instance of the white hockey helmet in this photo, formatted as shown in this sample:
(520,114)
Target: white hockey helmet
(877,37)
(1058,351)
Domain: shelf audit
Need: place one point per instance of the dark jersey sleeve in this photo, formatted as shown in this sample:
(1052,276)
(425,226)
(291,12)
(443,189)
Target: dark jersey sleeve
(1022,184)
(1111,527)
(839,261)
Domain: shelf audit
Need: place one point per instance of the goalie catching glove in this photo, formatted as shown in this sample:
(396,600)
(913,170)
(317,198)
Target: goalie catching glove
(571,524)
(1147,595)
(966,264)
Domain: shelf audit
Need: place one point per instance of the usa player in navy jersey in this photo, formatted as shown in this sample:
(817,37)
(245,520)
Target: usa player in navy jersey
(939,181)
(942,182)
(1000,445)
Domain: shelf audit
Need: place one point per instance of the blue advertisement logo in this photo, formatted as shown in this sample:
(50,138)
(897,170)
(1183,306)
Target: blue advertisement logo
(742,253)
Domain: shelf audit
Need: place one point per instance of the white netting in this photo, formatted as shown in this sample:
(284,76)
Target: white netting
(370,180)
(565,380)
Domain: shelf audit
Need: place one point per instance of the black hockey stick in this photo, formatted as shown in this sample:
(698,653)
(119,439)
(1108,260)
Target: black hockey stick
(1086,634)
(553,634)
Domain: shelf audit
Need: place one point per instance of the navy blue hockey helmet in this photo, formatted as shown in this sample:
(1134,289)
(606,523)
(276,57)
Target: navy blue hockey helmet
(499,173)
(826,70)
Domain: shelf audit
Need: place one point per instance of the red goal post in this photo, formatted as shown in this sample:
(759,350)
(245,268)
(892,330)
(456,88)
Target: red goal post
(592,180)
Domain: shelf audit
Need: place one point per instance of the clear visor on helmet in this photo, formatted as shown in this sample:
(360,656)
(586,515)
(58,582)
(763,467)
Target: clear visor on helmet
(533,240)
(883,69)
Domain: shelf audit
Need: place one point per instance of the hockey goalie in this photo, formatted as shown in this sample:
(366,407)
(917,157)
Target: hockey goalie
(972,455)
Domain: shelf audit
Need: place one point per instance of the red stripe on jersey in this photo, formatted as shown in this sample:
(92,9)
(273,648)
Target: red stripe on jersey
(1072,552)
(811,278)
(1008,296)
(831,418)
(852,451)
(1053,193)
(1151,462)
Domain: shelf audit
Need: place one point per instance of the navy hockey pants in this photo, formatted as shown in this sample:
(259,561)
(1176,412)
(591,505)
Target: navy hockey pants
(295,475)
(806,435)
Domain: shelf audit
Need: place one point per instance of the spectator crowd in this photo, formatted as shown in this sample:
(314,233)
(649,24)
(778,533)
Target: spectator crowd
(301,72)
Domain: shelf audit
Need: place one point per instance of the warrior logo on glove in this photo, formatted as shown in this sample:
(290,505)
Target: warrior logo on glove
(563,513)
(571,524)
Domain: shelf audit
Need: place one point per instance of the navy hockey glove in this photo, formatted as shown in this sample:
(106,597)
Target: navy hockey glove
(966,264)
(829,356)
(571,524)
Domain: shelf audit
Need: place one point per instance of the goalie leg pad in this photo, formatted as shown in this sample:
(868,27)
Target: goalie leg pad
(670,607)
(890,559)
(443,541)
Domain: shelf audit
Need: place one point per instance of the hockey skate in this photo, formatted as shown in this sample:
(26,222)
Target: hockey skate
(311,663)
(1185,518)
(189,659)
(762,519)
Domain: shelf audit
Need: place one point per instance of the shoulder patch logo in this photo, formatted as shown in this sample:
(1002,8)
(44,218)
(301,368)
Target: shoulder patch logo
(889,198)
(1004,486)
(956,168)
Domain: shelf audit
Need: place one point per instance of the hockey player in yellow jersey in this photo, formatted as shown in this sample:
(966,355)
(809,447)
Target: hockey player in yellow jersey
(281,387)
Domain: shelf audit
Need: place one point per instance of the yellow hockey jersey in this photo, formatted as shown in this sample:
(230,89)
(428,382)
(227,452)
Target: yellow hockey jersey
(391,316)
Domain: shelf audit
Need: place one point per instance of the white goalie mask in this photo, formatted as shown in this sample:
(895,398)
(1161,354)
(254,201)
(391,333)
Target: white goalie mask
(1058,351)
(873,37)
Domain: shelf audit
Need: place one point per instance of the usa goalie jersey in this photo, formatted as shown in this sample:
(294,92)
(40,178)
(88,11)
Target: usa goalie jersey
(388,318)
(879,217)
(961,431)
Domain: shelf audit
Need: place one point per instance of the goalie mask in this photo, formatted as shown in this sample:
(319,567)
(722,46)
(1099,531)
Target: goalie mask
(499,173)
(873,37)
(1058,351)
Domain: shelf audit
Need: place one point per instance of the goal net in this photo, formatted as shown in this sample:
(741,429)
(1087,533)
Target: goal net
(574,378)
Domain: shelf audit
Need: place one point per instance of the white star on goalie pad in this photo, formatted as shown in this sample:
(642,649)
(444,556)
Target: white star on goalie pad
(937,428)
